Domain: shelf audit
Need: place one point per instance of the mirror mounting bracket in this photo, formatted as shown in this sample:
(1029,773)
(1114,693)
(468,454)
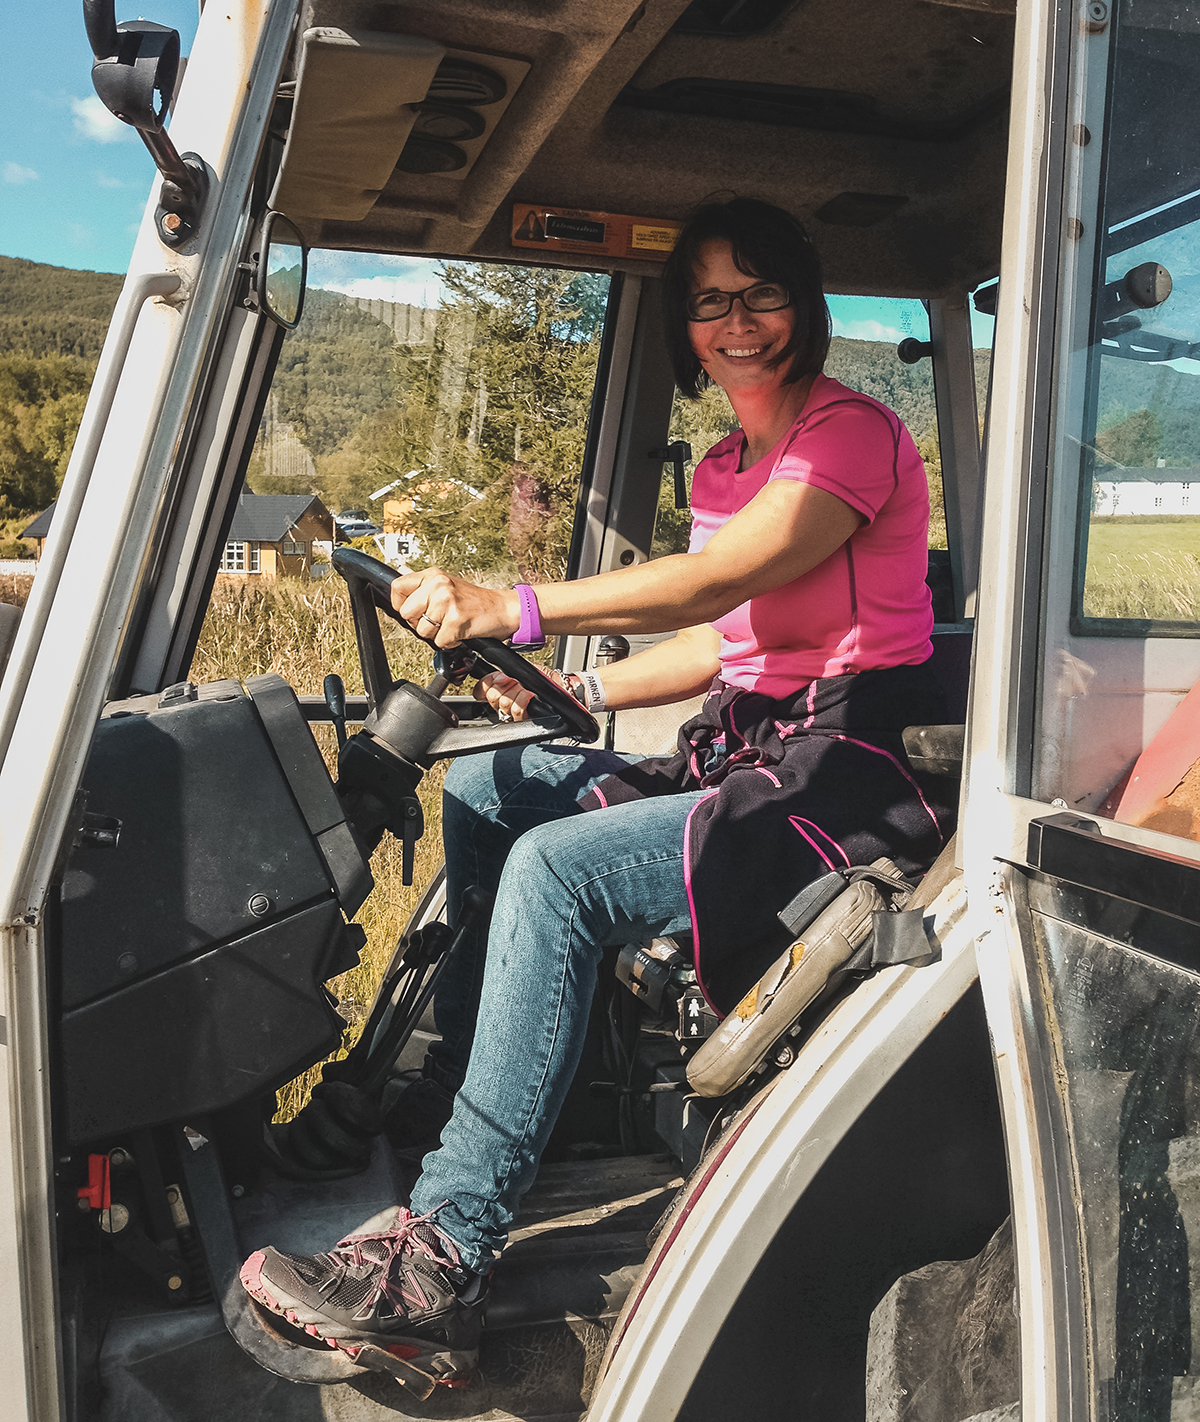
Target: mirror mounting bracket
(134,62)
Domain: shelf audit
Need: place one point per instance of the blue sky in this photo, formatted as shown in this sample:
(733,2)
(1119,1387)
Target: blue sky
(74,181)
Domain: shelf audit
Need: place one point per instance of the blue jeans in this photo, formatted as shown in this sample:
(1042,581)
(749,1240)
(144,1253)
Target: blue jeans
(513,1018)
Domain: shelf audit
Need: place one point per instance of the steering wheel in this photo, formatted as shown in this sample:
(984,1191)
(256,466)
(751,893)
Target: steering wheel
(370,583)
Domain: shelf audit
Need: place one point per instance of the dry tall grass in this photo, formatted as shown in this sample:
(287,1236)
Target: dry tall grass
(303,631)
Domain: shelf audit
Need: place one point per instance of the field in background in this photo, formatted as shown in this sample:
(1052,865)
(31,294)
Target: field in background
(304,631)
(1144,568)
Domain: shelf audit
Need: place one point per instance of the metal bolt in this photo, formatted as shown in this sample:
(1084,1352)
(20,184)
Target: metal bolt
(114,1220)
(174,1282)
(128,963)
(237,1191)
(259,905)
(1096,12)
(1075,229)
(119,1157)
(83,1204)
(627,557)
(172,222)
(411,811)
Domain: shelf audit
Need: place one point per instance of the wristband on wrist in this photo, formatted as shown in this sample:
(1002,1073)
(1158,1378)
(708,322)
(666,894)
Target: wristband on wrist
(593,689)
(529,629)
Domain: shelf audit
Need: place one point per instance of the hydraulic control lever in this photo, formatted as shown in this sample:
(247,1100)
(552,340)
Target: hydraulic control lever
(335,699)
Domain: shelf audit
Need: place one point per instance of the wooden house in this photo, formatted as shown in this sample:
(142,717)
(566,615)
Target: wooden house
(272,535)
(38,529)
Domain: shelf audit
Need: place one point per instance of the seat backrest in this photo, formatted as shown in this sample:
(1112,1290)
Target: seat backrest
(951,663)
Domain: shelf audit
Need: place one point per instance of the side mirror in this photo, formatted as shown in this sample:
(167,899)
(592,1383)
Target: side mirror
(282,271)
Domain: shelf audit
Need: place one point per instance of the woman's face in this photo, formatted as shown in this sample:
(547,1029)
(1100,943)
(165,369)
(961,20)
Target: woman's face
(736,350)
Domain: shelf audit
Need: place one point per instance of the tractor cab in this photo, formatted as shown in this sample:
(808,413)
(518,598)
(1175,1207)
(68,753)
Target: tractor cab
(394,301)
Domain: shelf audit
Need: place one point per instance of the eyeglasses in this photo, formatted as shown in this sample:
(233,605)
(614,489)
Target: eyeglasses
(762,296)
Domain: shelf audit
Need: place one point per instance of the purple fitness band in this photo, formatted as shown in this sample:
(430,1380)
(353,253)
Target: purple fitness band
(529,631)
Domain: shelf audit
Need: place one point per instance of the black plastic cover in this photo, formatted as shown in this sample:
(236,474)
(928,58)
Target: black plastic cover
(198,931)
(219,832)
(220,1028)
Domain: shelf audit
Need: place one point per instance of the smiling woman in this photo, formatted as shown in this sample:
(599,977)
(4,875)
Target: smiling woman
(801,608)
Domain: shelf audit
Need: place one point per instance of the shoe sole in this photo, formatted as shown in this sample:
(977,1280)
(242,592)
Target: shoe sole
(443,1366)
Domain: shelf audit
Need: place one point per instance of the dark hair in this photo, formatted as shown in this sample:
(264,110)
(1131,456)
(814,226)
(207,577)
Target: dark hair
(768,243)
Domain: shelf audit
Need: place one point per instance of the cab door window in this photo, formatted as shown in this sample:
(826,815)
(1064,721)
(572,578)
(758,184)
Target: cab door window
(1121,581)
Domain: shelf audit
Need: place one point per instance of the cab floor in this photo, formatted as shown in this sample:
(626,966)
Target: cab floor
(575,1250)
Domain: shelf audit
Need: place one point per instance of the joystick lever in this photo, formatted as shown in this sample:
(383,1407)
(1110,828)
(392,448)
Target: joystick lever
(335,699)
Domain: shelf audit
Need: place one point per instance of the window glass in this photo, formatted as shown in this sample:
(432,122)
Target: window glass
(446,403)
(862,355)
(1127,1032)
(234,558)
(1140,442)
(1121,558)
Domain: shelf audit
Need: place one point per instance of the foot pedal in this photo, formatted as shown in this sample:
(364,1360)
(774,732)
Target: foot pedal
(412,1379)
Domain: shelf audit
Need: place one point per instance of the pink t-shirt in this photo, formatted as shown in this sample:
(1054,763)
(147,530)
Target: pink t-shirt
(867,605)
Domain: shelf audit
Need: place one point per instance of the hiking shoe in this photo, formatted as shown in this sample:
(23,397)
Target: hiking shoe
(397,1284)
(416,1118)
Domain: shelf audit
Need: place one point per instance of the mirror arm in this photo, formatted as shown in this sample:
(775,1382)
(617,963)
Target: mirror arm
(134,62)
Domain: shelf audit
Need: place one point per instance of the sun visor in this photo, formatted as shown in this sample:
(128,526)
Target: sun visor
(356,98)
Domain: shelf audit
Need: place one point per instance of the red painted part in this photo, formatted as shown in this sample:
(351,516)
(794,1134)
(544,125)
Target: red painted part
(1163,764)
(97,1192)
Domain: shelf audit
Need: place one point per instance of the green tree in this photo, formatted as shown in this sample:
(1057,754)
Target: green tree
(489,436)
(1133,442)
(41,405)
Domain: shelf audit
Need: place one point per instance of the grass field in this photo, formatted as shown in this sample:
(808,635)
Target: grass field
(1144,568)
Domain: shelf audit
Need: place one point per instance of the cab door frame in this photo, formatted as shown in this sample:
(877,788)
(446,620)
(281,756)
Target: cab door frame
(172,306)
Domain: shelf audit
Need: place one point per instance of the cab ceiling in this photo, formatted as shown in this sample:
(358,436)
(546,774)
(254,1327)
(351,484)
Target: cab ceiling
(882,124)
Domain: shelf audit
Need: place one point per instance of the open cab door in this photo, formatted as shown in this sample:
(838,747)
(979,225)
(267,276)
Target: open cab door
(1067,1291)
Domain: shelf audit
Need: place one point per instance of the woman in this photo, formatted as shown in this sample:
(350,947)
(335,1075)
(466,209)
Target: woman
(806,616)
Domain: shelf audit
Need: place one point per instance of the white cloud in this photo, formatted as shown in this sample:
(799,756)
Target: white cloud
(94,121)
(868,331)
(106,180)
(386,288)
(14,173)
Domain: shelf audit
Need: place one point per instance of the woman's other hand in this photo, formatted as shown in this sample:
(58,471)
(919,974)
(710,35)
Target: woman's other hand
(504,695)
(447,610)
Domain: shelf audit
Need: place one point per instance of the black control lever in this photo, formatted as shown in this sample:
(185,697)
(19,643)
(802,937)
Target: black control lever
(428,947)
(677,455)
(332,1136)
(335,699)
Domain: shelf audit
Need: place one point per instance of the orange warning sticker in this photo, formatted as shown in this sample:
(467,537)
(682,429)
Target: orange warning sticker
(601,234)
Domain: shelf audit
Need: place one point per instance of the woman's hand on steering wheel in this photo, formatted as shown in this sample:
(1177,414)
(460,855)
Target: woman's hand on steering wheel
(447,610)
(505,695)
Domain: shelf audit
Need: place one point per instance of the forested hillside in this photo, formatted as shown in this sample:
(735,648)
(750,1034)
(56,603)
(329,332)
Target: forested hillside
(476,412)
(54,310)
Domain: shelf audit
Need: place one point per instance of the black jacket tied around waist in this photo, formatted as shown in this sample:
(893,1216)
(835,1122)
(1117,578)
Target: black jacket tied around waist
(796,787)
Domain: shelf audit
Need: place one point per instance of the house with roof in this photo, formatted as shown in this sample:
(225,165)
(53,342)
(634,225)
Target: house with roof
(39,529)
(272,535)
(1145,493)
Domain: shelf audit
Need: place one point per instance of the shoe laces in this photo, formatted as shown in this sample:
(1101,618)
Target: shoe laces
(416,1234)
